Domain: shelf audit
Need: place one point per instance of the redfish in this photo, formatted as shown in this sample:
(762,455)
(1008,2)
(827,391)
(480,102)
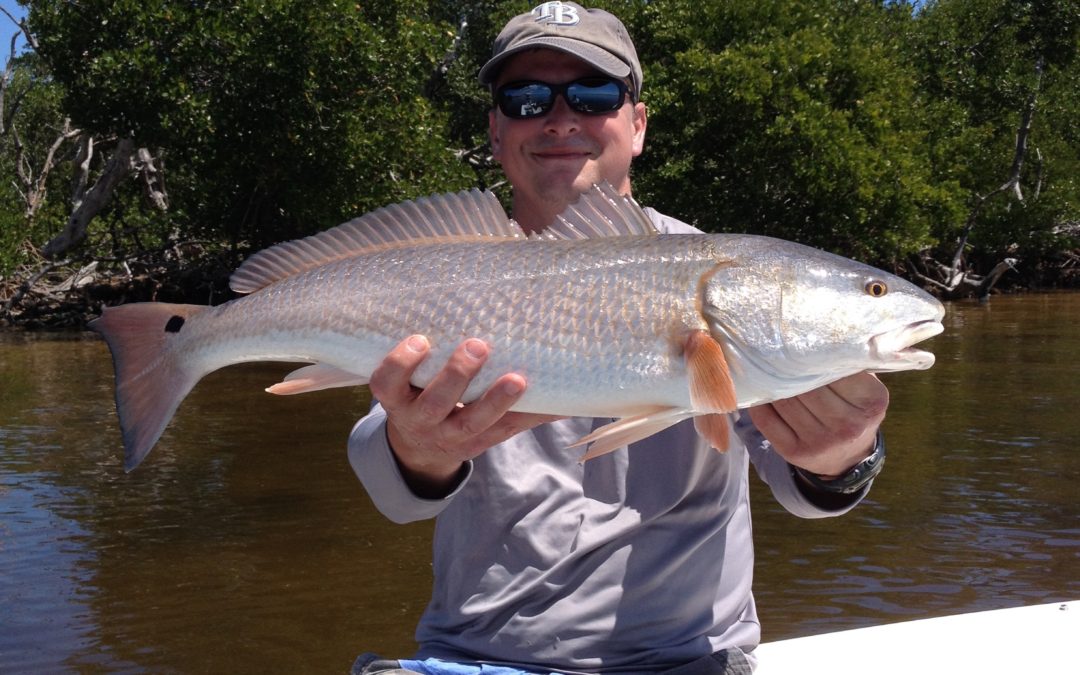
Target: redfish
(603,315)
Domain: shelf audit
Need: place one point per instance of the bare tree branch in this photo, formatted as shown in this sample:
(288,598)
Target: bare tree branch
(27,284)
(976,49)
(34,189)
(448,58)
(987,284)
(90,203)
(964,284)
(7,115)
(1013,180)
(83,156)
(1038,173)
(152,171)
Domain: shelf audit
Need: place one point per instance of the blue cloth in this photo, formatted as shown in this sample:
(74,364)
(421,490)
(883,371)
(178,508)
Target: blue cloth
(440,667)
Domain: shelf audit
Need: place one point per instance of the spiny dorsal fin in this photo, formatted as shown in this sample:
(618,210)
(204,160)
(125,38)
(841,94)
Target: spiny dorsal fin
(466,215)
(600,212)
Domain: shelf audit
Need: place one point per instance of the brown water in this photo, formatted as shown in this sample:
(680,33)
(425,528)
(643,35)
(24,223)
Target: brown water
(244,543)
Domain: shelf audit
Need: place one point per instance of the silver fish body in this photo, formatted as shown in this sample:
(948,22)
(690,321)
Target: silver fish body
(599,325)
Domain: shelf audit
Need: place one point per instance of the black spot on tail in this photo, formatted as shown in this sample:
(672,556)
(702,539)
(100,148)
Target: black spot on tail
(174,324)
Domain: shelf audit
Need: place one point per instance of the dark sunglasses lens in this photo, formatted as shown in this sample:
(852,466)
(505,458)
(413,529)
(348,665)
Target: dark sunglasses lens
(595,96)
(525,100)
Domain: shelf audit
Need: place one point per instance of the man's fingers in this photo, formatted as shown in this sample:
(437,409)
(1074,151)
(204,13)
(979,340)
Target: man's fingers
(432,419)
(844,409)
(772,426)
(440,398)
(826,430)
(815,411)
(481,414)
(390,380)
(865,392)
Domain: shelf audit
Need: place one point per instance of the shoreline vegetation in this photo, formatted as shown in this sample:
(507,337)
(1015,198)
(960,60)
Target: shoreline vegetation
(147,149)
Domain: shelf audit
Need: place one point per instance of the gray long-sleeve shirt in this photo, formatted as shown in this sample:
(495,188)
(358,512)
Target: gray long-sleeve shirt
(636,561)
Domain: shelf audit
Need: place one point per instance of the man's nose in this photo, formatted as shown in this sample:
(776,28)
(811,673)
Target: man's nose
(562,119)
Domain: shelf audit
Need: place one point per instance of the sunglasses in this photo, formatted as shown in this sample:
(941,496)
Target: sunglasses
(532,98)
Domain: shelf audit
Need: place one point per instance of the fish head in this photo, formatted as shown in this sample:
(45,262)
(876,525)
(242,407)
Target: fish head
(804,315)
(857,316)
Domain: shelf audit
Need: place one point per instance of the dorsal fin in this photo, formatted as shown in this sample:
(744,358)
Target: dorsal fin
(600,212)
(458,216)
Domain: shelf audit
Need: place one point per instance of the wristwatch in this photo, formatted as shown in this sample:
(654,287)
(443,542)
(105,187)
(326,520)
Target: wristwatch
(857,476)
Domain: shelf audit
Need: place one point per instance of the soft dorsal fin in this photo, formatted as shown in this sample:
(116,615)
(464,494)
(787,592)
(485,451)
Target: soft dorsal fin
(461,216)
(600,212)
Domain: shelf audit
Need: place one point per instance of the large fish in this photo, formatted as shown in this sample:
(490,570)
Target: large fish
(604,316)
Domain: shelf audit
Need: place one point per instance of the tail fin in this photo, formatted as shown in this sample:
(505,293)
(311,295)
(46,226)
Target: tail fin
(151,378)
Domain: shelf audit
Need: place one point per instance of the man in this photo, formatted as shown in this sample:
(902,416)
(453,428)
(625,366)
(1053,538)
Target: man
(636,562)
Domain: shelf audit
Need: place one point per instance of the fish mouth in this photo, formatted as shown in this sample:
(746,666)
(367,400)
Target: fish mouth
(893,349)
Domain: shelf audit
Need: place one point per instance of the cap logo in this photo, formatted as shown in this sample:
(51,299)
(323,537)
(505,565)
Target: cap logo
(556,13)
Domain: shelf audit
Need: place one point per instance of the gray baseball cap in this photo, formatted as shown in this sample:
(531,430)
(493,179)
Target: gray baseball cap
(593,35)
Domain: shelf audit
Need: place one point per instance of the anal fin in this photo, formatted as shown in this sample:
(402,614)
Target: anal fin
(629,430)
(314,378)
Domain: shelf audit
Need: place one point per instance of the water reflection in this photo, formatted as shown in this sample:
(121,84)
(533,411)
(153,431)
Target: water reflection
(245,543)
(977,508)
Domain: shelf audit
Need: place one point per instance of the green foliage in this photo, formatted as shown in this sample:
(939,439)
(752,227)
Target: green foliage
(980,62)
(793,119)
(36,125)
(274,117)
(867,128)
(457,91)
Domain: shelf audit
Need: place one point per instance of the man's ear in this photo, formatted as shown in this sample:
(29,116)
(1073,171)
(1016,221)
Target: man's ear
(641,119)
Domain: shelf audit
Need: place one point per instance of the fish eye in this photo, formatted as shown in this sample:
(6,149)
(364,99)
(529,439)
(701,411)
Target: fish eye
(876,288)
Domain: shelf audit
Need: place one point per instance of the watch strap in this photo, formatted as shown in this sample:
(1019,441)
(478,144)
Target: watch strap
(856,477)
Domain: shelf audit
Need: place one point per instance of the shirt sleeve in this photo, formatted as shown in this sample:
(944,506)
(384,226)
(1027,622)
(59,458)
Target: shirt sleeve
(377,468)
(668,225)
(777,474)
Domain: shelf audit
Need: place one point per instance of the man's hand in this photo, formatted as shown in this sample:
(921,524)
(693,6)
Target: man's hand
(828,430)
(430,433)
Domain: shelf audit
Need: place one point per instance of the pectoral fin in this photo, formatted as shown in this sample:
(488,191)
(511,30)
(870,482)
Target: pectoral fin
(315,377)
(713,428)
(711,387)
(629,430)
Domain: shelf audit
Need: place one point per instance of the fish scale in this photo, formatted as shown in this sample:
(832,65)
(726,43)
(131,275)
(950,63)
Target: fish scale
(604,318)
(562,306)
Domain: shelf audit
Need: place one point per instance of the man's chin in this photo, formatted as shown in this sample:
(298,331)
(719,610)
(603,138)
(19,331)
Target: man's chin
(569,187)
(564,188)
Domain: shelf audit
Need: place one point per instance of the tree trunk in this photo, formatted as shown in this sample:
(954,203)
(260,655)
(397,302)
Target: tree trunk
(92,200)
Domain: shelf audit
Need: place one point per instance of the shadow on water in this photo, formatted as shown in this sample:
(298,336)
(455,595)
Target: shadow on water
(245,543)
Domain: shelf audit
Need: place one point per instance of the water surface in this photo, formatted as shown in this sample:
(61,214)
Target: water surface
(245,543)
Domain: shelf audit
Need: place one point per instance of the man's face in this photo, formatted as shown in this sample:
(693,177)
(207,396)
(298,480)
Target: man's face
(552,159)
